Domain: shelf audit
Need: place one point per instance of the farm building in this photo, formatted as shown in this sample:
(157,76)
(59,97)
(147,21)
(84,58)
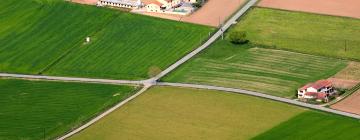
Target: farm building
(121,3)
(320,90)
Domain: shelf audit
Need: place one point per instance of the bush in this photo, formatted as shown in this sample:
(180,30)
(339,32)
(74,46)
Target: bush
(238,37)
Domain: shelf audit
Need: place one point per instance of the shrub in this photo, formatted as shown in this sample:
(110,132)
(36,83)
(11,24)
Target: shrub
(238,37)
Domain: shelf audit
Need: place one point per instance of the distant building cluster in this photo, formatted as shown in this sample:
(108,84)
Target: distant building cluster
(159,6)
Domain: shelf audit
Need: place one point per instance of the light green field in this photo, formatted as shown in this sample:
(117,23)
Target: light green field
(33,110)
(303,32)
(49,39)
(269,71)
(314,126)
(180,113)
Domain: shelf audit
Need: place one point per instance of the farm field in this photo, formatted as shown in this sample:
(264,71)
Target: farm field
(349,104)
(123,46)
(348,8)
(35,110)
(269,71)
(303,32)
(182,113)
(313,125)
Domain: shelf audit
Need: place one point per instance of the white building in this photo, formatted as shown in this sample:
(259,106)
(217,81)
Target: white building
(121,3)
(320,90)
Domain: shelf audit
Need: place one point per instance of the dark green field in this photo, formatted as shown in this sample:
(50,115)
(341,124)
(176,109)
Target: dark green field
(32,109)
(314,126)
(303,32)
(50,40)
(270,71)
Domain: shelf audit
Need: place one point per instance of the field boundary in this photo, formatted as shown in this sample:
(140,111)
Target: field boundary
(102,115)
(261,95)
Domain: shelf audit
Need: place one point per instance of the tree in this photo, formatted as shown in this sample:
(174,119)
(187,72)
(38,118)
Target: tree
(238,37)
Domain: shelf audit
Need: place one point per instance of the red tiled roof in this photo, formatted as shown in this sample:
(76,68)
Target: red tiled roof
(318,95)
(317,85)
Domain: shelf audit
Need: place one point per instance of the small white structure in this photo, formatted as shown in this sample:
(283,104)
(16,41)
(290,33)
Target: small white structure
(121,3)
(319,90)
(87,40)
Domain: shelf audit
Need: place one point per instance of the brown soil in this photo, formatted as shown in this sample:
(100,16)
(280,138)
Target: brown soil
(342,83)
(348,8)
(350,104)
(91,2)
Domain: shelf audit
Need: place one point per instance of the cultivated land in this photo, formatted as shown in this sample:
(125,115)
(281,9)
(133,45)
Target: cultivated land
(303,32)
(44,110)
(181,113)
(123,46)
(313,125)
(274,72)
(348,8)
(350,104)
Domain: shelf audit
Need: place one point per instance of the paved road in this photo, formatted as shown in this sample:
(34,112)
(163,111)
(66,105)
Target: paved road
(218,34)
(257,94)
(73,79)
(103,114)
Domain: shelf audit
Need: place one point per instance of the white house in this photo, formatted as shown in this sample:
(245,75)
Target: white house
(121,3)
(320,90)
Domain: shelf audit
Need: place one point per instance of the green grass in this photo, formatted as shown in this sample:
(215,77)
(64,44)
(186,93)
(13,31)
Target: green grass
(181,113)
(314,126)
(303,32)
(32,109)
(274,72)
(50,39)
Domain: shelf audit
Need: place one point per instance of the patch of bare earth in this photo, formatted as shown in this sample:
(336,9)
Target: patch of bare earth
(348,77)
(211,14)
(350,104)
(90,2)
(347,8)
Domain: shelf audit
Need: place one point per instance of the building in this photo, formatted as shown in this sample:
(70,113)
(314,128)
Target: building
(320,90)
(121,3)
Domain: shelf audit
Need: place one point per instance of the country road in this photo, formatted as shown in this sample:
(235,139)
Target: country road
(212,39)
(257,94)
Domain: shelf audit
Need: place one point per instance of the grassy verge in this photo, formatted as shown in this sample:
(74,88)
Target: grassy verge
(303,32)
(181,113)
(274,72)
(45,110)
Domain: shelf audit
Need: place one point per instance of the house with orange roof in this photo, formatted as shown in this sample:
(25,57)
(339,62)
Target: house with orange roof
(320,90)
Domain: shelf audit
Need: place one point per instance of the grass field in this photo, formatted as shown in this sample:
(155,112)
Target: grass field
(124,46)
(269,71)
(180,113)
(314,126)
(32,110)
(303,32)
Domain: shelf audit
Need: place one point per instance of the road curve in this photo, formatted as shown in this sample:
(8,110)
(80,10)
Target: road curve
(257,94)
(212,39)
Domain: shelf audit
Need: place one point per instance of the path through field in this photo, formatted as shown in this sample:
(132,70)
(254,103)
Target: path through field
(347,8)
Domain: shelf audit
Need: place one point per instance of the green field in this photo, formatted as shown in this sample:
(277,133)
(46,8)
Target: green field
(50,39)
(182,113)
(303,32)
(314,126)
(165,113)
(33,110)
(274,72)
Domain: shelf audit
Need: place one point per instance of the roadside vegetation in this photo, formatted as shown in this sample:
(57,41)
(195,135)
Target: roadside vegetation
(34,110)
(303,32)
(183,113)
(49,40)
(270,71)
